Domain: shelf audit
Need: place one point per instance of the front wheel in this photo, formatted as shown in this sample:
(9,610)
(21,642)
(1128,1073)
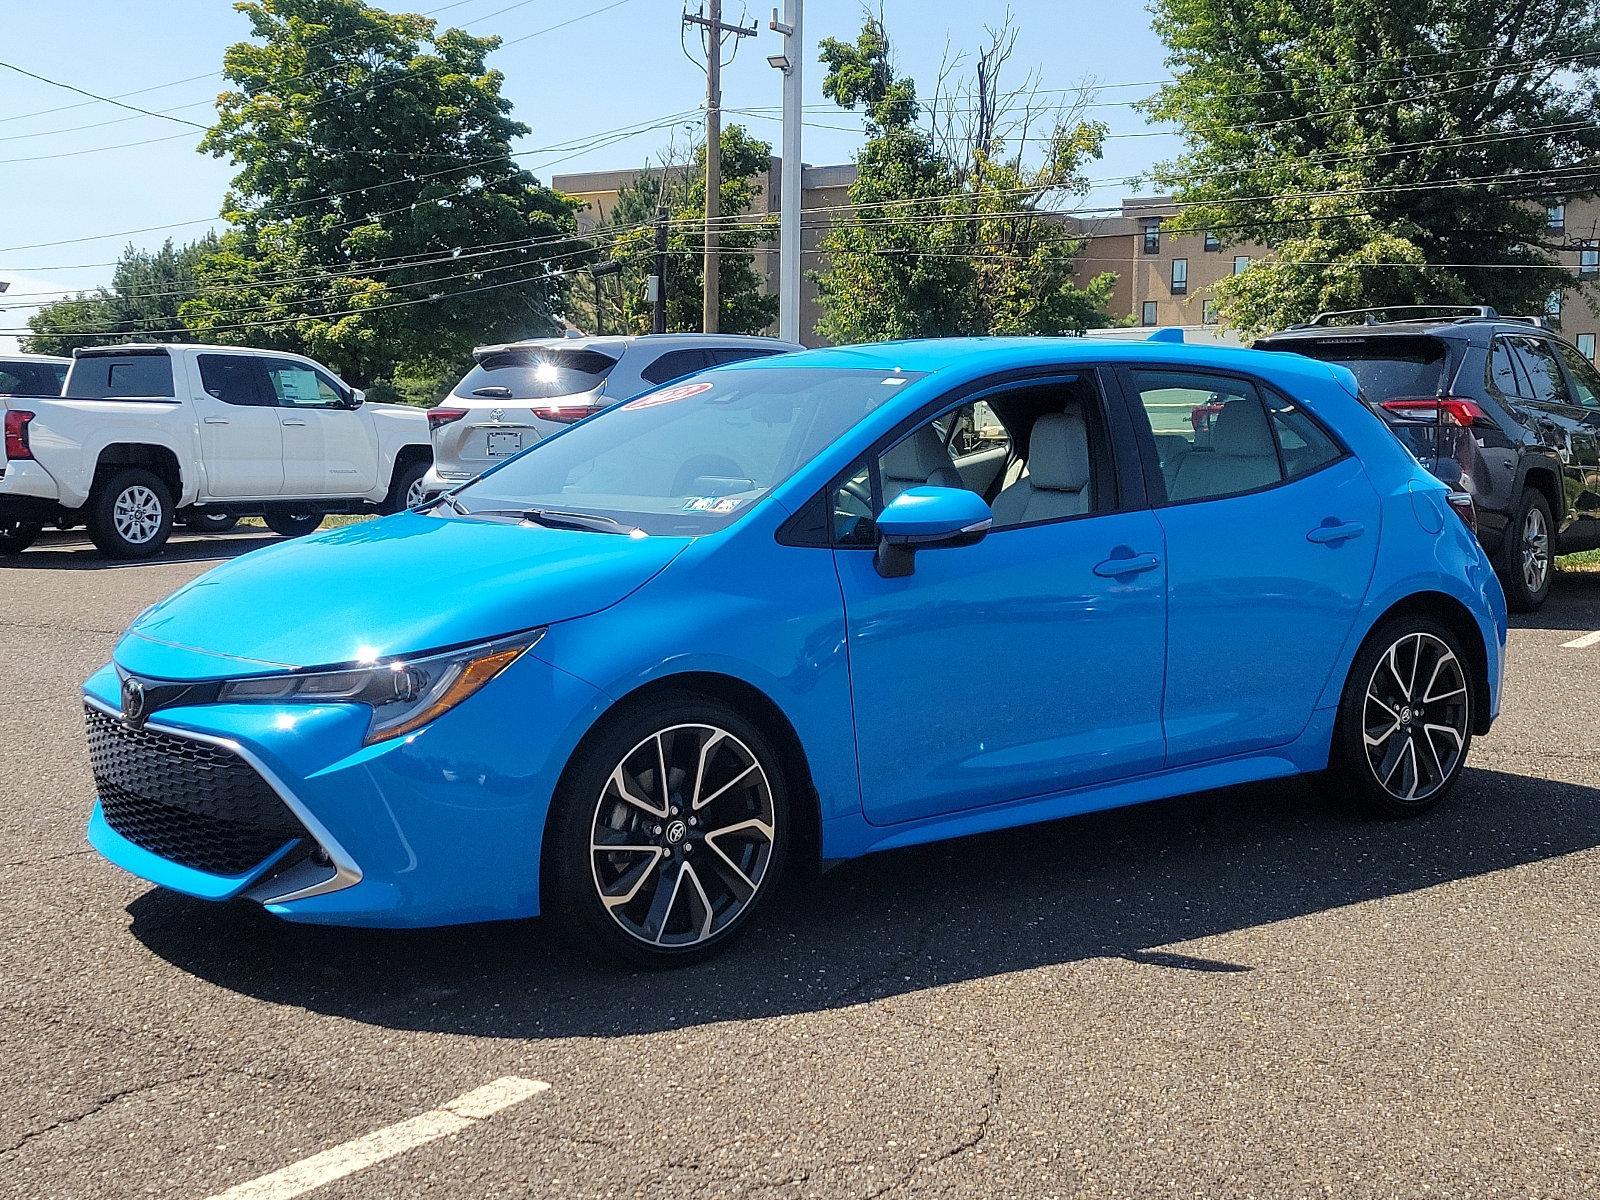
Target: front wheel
(16,536)
(1526,565)
(211,522)
(668,830)
(1405,720)
(130,514)
(292,524)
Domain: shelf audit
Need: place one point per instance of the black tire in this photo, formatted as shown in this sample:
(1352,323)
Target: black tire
(130,514)
(1526,570)
(293,524)
(211,522)
(1423,702)
(16,536)
(588,805)
(407,479)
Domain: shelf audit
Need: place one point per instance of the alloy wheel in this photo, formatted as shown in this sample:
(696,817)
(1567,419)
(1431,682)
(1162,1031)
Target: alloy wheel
(1535,550)
(137,514)
(1416,717)
(416,493)
(683,836)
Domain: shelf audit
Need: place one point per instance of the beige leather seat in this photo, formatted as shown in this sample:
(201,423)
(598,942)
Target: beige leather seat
(1055,481)
(1240,457)
(916,462)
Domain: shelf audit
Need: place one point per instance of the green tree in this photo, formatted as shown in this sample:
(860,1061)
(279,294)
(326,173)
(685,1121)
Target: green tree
(142,302)
(378,214)
(746,306)
(951,233)
(1386,152)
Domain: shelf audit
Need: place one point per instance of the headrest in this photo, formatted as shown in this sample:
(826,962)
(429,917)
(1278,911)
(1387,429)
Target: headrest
(1241,429)
(918,457)
(1058,452)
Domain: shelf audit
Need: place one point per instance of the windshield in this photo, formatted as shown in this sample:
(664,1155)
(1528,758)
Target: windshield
(536,373)
(688,458)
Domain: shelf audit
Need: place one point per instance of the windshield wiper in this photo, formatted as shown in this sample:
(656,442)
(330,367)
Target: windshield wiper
(493,389)
(447,498)
(552,518)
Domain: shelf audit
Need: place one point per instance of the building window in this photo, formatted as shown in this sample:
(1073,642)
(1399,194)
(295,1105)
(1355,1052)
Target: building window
(1213,242)
(1152,237)
(1555,216)
(1589,261)
(1180,276)
(1586,345)
(1147,313)
(1552,310)
(1241,263)
(1208,312)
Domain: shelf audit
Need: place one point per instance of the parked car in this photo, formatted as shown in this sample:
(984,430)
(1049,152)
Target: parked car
(523,391)
(1498,406)
(144,434)
(32,374)
(810,606)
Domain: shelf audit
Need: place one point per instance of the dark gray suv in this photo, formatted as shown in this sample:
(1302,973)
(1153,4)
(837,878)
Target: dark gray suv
(1499,407)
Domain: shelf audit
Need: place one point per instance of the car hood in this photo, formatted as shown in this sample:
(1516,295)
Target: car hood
(398,586)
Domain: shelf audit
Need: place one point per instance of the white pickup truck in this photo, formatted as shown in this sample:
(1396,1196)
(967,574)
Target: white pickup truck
(143,435)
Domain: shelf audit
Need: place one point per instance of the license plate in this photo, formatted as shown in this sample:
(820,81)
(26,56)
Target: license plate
(503,443)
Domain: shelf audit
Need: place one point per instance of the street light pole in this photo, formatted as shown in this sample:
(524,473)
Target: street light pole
(791,187)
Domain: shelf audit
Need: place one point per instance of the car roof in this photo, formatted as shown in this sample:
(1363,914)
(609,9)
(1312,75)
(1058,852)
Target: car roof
(16,356)
(984,355)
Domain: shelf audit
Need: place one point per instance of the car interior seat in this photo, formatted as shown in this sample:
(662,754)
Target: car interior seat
(1054,481)
(918,461)
(1241,456)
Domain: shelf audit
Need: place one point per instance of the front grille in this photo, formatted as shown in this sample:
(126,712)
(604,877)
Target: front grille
(190,802)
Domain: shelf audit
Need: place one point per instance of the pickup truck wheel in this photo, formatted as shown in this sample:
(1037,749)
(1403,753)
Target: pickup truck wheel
(211,522)
(292,524)
(130,514)
(405,489)
(17,536)
(1527,564)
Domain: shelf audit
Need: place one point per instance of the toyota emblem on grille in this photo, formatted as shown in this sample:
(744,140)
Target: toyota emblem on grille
(133,702)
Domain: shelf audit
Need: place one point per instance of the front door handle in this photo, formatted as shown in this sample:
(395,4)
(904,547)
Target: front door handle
(1132,564)
(216,420)
(294,424)
(1331,532)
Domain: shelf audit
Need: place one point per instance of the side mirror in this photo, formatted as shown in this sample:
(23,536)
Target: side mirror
(357,397)
(928,518)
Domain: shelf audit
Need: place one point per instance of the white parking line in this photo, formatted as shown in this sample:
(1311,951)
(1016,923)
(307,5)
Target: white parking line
(335,1163)
(1584,642)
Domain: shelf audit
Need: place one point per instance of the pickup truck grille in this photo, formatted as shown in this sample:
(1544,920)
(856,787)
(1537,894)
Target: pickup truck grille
(190,802)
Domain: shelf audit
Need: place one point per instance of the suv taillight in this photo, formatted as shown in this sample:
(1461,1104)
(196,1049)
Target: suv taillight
(564,414)
(17,434)
(1447,409)
(438,418)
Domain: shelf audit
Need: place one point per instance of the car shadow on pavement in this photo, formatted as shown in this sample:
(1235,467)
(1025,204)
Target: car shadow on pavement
(75,553)
(1122,884)
(1574,604)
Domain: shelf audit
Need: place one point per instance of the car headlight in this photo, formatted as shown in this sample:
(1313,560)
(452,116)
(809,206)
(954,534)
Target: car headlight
(404,693)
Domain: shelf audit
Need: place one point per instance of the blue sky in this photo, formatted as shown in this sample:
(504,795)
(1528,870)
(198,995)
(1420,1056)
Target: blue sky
(618,68)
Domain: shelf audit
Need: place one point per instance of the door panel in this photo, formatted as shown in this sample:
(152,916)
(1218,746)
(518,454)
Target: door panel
(1007,669)
(241,443)
(1261,603)
(329,449)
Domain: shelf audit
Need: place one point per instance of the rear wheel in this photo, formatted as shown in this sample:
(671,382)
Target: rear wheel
(211,522)
(405,489)
(292,524)
(1527,565)
(1405,720)
(668,830)
(130,514)
(16,536)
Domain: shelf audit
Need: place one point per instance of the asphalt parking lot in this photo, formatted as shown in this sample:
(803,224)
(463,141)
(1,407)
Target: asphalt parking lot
(1246,993)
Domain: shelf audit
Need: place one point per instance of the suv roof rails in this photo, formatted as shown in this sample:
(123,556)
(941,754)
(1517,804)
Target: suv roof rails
(1369,316)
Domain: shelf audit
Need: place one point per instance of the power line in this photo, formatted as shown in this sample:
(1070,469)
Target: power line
(72,87)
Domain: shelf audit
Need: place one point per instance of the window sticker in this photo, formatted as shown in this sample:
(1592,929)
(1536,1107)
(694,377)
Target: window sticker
(668,395)
(712,504)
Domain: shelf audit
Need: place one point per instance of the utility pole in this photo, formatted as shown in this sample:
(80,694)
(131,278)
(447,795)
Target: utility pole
(716,30)
(658,281)
(791,186)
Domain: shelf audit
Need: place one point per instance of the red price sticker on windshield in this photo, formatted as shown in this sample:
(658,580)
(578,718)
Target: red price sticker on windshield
(682,392)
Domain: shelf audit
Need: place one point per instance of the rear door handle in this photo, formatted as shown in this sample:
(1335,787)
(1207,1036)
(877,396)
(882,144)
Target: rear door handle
(294,424)
(216,420)
(1331,533)
(1133,564)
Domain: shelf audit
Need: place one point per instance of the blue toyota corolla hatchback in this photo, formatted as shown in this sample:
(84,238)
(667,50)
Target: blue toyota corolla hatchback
(821,604)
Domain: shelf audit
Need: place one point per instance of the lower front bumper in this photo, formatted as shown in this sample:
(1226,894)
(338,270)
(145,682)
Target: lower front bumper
(440,827)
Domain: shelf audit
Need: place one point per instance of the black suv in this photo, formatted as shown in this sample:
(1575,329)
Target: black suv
(1498,407)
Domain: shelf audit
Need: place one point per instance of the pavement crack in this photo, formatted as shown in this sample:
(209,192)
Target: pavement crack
(102,1103)
(48,858)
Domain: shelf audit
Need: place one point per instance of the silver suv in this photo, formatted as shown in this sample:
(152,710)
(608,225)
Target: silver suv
(523,391)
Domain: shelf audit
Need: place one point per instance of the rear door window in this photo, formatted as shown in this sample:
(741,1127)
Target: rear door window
(536,373)
(32,379)
(112,376)
(233,379)
(1506,374)
(1543,370)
